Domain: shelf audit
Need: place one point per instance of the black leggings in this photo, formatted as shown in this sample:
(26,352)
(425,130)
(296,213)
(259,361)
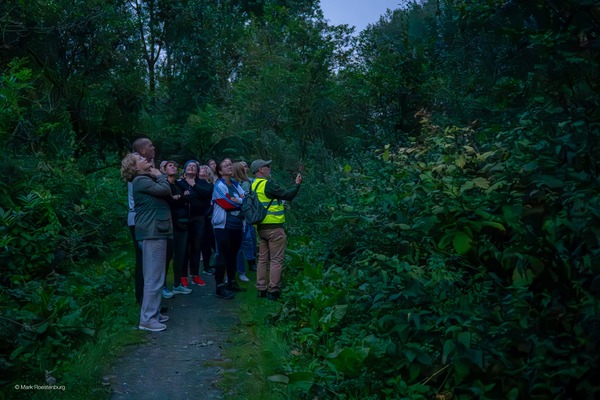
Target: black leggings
(176,251)
(208,245)
(228,243)
(196,230)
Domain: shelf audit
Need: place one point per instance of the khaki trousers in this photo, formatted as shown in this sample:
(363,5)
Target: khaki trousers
(270,259)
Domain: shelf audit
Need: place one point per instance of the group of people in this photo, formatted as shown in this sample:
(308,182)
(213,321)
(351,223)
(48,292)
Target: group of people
(187,216)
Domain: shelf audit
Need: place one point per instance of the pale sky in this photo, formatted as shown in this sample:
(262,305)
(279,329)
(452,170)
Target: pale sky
(358,13)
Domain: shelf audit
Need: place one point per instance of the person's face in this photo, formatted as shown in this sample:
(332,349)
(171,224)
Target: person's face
(142,165)
(171,169)
(245,166)
(203,171)
(265,171)
(226,168)
(147,150)
(191,169)
(213,165)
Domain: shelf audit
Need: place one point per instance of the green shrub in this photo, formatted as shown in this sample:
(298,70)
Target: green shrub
(449,266)
(46,324)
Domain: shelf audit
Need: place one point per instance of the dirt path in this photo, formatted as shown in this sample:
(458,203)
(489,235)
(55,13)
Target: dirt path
(184,361)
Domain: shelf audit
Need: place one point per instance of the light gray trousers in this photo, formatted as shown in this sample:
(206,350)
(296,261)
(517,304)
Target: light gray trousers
(154,254)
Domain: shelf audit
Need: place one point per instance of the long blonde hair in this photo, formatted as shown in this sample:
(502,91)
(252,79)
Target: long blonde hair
(239,172)
(210,175)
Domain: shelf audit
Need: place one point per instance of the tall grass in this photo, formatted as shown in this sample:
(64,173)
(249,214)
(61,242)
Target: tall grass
(257,352)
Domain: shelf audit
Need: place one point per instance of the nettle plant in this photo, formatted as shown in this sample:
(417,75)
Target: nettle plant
(463,277)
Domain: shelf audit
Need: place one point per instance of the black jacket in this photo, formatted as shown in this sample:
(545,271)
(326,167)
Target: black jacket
(180,208)
(199,198)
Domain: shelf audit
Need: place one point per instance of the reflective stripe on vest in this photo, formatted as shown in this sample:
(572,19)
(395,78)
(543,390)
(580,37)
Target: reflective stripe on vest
(275,213)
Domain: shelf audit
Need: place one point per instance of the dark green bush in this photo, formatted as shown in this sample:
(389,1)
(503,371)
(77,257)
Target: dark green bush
(45,323)
(450,266)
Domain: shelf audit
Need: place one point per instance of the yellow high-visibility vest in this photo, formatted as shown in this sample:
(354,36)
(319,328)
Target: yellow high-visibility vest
(276,212)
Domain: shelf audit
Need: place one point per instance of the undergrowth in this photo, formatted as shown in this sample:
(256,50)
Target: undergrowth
(257,353)
(445,268)
(62,330)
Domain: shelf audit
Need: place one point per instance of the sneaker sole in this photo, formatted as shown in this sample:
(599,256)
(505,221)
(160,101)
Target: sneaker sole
(198,284)
(145,328)
(167,296)
(182,292)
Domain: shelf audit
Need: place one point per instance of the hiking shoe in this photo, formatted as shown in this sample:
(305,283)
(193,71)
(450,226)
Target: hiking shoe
(235,287)
(166,293)
(163,318)
(261,293)
(223,293)
(209,271)
(273,295)
(244,278)
(184,282)
(152,326)
(180,289)
(196,280)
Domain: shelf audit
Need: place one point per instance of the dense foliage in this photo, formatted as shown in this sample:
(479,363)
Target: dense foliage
(449,239)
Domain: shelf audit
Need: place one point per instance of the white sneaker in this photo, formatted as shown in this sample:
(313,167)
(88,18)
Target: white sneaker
(180,289)
(152,326)
(244,278)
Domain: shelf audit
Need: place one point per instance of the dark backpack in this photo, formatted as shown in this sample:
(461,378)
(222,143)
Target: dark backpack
(253,210)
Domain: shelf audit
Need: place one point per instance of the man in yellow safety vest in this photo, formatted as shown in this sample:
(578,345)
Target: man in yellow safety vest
(270,230)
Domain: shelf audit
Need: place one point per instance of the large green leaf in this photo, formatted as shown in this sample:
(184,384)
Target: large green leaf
(348,360)
(301,380)
(331,319)
(522,277)
(462,242)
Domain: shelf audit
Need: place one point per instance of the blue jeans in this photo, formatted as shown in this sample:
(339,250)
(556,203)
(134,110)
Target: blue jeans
(247,249)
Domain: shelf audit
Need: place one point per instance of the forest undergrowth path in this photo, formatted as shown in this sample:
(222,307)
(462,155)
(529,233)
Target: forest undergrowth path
(186,360)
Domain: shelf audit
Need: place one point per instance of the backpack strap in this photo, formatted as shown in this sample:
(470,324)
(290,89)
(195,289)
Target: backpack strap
(265,185)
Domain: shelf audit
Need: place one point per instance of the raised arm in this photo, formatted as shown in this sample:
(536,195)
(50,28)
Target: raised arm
(159,188)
